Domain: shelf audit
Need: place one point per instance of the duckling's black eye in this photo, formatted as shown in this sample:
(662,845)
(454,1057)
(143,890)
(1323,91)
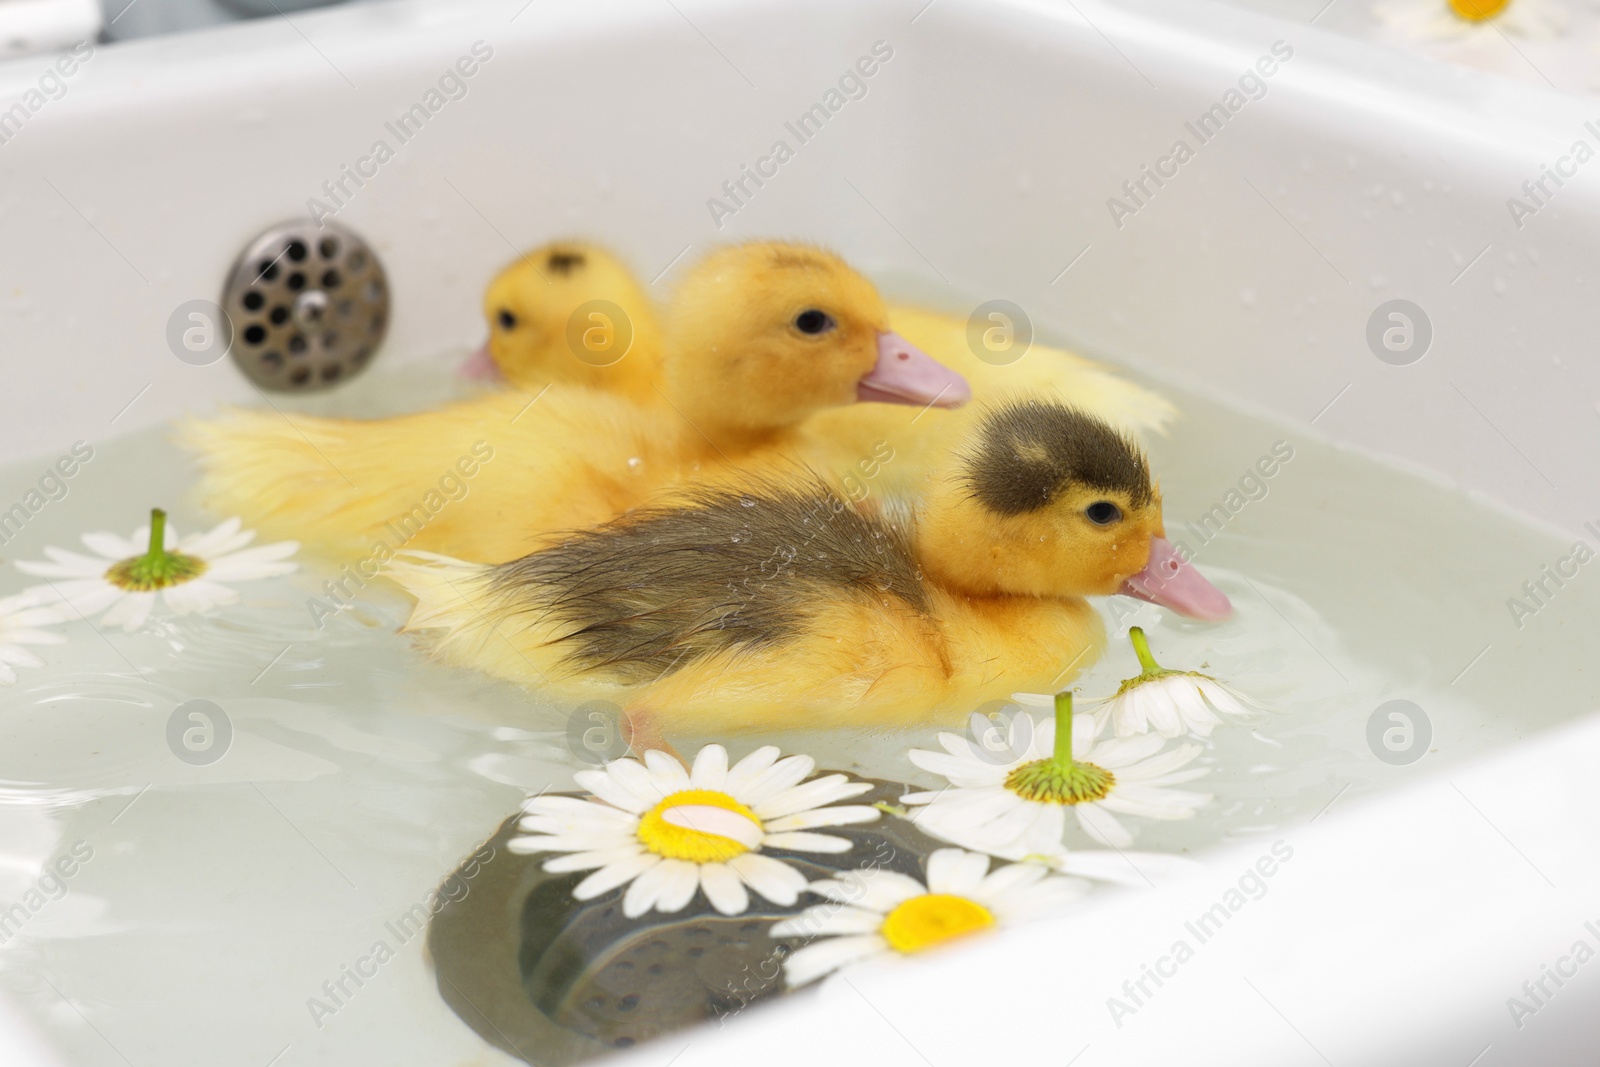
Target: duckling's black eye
(507,320)
(1103,512)
(813,321)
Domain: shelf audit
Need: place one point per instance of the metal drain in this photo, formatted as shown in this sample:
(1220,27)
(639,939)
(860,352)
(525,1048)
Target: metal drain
(309,306)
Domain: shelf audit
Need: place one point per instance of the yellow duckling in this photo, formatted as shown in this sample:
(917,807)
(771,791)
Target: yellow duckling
(548,323)
(778,603)
(764,336)
(851,440)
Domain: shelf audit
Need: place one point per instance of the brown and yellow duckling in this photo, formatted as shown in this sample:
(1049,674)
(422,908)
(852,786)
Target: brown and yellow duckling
(778,603)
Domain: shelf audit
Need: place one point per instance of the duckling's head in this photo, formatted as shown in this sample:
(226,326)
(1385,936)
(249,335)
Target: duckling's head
(1046,500)
(529,309)
(763,335)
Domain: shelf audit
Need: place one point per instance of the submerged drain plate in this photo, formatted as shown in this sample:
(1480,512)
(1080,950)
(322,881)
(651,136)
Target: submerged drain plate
(309,306)
(556,981)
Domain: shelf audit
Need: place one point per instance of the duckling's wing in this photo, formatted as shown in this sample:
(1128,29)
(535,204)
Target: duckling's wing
(723,571)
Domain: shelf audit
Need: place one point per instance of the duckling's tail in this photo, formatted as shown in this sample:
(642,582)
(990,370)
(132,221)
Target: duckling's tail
(451,594)
(464,624)
(277,474)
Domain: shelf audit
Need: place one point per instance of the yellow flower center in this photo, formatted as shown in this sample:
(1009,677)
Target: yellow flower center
(932,919)
(1478,10)
(677,842)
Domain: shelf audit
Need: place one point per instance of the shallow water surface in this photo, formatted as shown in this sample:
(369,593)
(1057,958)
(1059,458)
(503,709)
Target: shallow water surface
(217,900)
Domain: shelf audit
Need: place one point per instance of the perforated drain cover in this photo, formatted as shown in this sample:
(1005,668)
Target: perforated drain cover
(556,981)
(309,306)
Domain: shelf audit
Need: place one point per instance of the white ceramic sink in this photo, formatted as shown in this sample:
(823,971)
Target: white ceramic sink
(982,161)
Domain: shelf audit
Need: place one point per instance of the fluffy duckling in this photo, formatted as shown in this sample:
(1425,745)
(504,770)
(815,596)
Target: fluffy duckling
(854,440)
(735,608)
(537,335)
(763,337)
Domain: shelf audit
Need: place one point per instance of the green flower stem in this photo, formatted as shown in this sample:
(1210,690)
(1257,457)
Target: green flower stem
(1141,648)
(158,535)
(1063,753)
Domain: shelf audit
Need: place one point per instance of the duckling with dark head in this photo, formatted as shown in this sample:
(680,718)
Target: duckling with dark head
(778,602)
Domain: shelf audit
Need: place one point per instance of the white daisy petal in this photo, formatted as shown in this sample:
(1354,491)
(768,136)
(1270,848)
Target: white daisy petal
(648,888)
(631,775)
(220,539)
(878,889)
(800,841)
(614,874)
(577,861)
(19,656)
(747,770)
(1101,826)
(723,889)
(130,612)
(111,546)
(605,785)
(198,595)
(956,871)
(818,791)
(781,776)
(669,775)
(1004,879)
(574,806)
(710,768)
(960,771)
(828,920)
(824,957)
(777,881)
(718,822)
(842,815)
(681,880)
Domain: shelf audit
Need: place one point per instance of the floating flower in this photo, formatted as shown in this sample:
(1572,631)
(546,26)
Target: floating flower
(875,912)
(20,620)
(1170,703)
(124,577)
(669,831)
(1000,807)
(1443,20)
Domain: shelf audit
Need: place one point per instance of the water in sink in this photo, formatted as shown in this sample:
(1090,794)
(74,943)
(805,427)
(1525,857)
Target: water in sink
(210,904)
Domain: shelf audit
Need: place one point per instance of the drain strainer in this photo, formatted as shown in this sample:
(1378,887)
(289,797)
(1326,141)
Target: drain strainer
(309,306)
(555,981)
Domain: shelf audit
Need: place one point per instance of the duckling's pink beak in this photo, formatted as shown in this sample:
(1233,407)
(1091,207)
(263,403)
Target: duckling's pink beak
(905,374)
(480,366)
(1170,582)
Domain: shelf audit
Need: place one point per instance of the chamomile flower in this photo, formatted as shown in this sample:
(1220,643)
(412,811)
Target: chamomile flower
(1457,20)
(1157,700)
(125,577)
(20,620)
(1000,807)
(875,912)
(666,832)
